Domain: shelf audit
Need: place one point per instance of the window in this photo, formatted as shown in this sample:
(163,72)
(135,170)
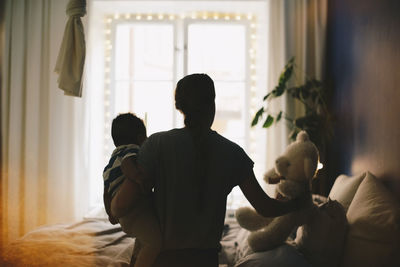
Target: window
(145,63)
(143,75)
(143,55)
(219,49)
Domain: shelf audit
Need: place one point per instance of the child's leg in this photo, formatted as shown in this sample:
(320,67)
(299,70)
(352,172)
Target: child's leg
(150,239)
(143,224)
(147,256)
(136,249)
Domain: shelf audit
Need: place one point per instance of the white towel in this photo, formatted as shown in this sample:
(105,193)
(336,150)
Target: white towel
(71,58)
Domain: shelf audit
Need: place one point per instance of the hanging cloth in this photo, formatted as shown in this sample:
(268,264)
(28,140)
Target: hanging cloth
(71,58)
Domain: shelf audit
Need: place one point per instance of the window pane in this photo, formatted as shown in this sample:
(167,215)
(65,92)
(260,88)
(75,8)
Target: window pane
(218,50)
(230,115)
(144,52)
(153,101)
(121,98)
(122,52)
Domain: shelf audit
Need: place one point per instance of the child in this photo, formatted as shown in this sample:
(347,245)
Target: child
(128,133)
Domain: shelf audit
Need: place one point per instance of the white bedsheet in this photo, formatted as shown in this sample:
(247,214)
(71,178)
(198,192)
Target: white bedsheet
(87,243)
(95,242)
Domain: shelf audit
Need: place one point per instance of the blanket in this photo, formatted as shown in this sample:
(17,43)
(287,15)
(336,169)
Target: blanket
(86,243)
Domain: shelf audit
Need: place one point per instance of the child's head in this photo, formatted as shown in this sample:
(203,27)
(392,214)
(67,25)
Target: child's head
(127,129)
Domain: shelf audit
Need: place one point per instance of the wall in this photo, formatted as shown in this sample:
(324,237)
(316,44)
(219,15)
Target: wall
(363,71)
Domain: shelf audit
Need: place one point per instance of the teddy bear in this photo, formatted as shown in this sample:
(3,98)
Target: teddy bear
(292,174)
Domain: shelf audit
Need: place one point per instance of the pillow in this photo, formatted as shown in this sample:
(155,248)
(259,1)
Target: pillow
(344,188)
(374,226)
(321,239)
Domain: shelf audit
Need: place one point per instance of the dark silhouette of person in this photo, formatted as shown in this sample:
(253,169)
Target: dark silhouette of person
(192,170)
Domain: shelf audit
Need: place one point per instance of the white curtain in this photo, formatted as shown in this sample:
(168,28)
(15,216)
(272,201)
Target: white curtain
(297,28)
(44,133)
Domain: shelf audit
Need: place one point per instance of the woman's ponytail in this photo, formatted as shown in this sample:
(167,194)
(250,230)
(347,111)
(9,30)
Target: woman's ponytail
(195,98)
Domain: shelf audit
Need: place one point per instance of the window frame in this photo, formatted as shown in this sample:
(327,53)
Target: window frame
(180,65)
(246,100)
(262,149)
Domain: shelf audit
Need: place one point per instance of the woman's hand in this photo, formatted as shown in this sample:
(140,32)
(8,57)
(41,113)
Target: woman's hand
(301,202)
(130,190)
(129,168)
(266,206)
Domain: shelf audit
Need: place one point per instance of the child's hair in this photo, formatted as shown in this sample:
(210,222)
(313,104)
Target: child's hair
(126,128)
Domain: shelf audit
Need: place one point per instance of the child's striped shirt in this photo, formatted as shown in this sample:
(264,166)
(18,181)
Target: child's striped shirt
(112,174)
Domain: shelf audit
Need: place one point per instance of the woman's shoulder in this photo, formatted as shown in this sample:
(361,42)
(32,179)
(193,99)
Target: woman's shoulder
(224,142)
(165,135)
(233,153)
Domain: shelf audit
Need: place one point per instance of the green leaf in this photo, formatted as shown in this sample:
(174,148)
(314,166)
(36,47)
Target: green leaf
(278,118)
(266,96)
(293,134)
(288,72)
(291,60)
(279,90)
(285,74)
(257,116)
(268,122)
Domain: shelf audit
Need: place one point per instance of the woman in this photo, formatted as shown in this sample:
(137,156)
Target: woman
(192,170)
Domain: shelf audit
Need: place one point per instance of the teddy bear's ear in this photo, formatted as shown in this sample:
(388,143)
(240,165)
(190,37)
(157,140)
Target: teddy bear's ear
(309,168)
(302,136)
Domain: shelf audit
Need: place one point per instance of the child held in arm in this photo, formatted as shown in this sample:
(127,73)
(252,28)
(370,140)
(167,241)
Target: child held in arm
(128,133)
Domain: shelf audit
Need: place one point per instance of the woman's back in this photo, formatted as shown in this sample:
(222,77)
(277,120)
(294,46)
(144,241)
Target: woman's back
(170,159)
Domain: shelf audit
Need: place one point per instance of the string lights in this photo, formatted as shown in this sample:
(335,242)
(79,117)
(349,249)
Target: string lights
(112,19)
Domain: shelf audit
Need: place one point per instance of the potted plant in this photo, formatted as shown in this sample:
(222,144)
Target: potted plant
(316,119)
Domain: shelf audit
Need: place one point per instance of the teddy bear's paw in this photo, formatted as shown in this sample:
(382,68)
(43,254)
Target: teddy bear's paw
(271,177)
(263,240)
(249,219)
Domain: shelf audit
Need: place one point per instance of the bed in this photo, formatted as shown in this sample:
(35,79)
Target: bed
(372,238)
(94,242)
(91,242)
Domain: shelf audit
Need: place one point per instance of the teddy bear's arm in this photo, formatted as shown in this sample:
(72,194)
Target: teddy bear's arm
(271,177)
(249,219)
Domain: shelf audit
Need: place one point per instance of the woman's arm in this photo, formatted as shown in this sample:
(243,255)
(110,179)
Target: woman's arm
(264,205)
(130,190)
